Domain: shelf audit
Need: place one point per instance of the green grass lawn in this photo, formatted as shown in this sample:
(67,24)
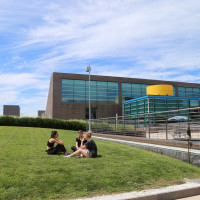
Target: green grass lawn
(27,172)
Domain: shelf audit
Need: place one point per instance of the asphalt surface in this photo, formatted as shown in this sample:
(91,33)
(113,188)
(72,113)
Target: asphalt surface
(191,198)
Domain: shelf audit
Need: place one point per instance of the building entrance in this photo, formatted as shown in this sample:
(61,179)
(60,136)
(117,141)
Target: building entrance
(93,113)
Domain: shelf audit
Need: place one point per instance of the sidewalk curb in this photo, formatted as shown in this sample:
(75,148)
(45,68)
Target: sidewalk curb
(170,195)
(167,193)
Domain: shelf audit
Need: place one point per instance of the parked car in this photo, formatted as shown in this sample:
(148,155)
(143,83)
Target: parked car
(178,118)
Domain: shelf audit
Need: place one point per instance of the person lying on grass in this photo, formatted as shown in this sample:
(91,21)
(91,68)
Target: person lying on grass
(78,141)
(88,150)
(51,150)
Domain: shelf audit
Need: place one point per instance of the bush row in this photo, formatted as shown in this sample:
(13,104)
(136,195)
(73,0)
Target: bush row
(43,123)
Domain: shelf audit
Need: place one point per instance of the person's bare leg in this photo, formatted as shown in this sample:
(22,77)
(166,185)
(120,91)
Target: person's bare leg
(76,153)
(84,154)
(79,152)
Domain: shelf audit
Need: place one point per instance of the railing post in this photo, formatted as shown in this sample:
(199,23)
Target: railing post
(166,126)
(149,126)
(116,122)
(135,125)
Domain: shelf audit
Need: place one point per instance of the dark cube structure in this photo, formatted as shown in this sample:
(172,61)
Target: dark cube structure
(11,110)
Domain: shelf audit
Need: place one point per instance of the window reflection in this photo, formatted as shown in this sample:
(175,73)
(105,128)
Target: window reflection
(77,91)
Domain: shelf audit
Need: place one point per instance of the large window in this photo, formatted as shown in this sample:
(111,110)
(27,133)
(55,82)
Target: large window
(174,91)
(188,92)
(194,103)
(77,91)
(131,91)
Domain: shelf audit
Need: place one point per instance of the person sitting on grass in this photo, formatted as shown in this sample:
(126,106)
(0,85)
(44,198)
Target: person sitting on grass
(51,150)
(78,141)
(88,150)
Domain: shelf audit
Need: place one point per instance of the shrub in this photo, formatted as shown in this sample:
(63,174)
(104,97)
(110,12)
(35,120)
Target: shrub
(23,121)
(39,122)
(7,121)
(43,123)
(78,125)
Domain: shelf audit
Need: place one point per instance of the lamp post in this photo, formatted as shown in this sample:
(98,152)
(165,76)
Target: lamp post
(88,70)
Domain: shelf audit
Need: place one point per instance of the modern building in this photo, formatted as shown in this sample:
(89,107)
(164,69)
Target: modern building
(161,105)
(69,93)
(41,113)
(11,110)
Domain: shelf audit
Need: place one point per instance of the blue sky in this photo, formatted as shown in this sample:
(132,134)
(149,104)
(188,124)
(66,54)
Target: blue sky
(150,39)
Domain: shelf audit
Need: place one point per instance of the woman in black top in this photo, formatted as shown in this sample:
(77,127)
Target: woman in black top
(88,150)
(58,148)
(78,141)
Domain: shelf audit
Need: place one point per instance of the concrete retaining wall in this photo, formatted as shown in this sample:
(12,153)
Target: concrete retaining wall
(175,152)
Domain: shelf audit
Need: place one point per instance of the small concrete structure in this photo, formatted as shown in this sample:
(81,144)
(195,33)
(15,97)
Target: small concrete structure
(11,110)
(41,113)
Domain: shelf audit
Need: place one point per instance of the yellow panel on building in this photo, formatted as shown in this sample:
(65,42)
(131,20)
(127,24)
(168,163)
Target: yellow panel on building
(116,100)
(163,90)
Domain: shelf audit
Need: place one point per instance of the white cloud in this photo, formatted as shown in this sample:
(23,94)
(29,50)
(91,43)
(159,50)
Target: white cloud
(8,96)
(141,39)
(23,80)
(173,74)
(97,29)
(24,90)
(132,29)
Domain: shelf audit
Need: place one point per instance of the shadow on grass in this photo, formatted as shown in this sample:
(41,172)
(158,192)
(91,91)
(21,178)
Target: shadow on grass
(62,154)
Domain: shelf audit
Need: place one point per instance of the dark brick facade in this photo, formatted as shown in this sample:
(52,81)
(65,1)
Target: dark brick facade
(56,109)
(41,113)
(12,110)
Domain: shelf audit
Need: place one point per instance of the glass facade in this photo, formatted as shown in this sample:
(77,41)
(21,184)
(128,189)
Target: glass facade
(149,104)
(174,91)
(188,92)
(131,91)
(101,92)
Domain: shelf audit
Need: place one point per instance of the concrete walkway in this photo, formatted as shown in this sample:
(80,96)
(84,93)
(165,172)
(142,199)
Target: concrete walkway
(190,188)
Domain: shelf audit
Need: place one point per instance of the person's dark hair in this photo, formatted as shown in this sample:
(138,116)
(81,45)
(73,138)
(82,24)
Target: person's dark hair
(53,133)
(80,131)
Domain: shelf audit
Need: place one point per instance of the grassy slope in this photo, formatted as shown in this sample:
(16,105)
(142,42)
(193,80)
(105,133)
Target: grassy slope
(26,172)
